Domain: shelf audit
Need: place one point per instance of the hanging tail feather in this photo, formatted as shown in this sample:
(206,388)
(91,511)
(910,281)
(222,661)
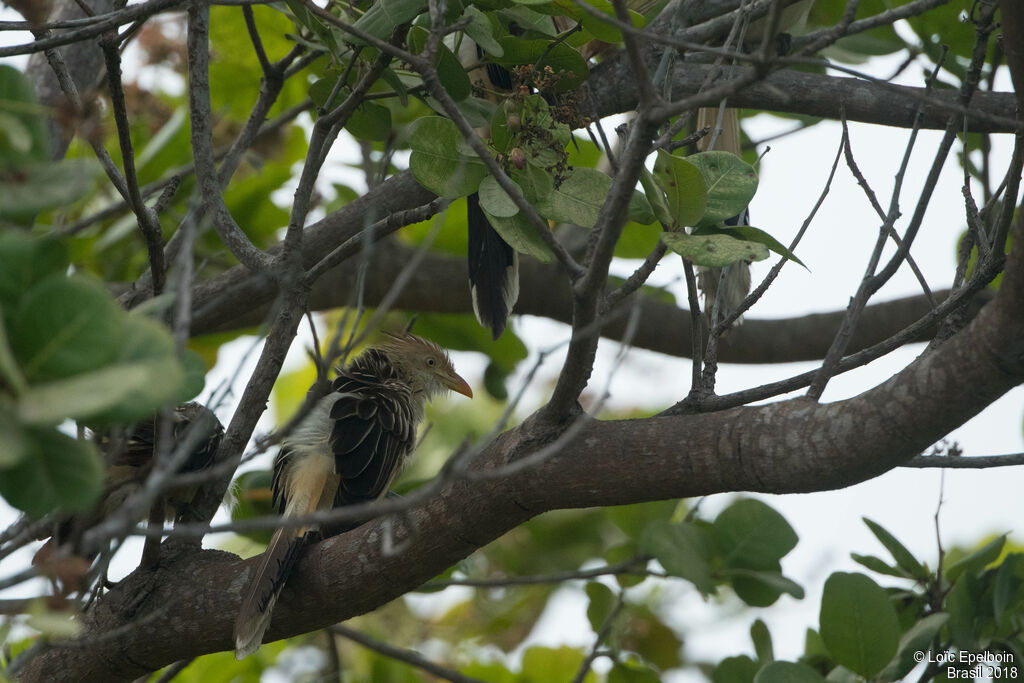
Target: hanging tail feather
(728,133)
(493,270)
(733,280)
(305,488)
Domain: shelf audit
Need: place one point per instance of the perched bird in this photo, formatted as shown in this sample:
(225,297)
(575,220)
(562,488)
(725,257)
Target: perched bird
(349,449)
(733,281)
(131,460)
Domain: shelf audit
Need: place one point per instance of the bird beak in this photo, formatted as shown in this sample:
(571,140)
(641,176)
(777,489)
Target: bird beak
(458,385)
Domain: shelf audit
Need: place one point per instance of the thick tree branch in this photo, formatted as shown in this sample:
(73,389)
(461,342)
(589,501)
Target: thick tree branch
(610,90)
(791,446)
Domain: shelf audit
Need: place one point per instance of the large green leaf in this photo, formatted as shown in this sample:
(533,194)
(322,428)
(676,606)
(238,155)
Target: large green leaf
(578,199)
(544,664)
(495,201)
(739,669)
(450,71)
(520,234)
(788,672)
(22,120)
(57,471)
(14,443)
(684,187)
(762,587)
(24,261)
(41,186)
(730,181)
(384,15)
(602,602)
(90,394)
(714,251)
(977,559)
(481,31)
(63,326)
(899,552)
(750,534)
(858,623)
(437,162)
(682,549)
(748,233)
(632,672)
(917,639)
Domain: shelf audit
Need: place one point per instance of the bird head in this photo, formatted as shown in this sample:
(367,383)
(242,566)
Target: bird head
(425,365)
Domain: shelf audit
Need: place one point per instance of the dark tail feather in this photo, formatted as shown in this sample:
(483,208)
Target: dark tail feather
(258,604)
(493,270)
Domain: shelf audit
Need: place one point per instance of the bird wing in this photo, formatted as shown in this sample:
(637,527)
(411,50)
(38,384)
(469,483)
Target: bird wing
(374,430)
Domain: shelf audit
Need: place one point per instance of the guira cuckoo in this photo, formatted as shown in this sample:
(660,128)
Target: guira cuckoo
(349,449)
(130,460)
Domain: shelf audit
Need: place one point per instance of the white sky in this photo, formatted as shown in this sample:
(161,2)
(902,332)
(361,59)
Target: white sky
(975,503)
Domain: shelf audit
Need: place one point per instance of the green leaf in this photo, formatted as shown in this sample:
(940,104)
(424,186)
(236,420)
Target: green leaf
(714,251)
(632,672)
(23,135)
(63,326)
(450,71)
(25,260)
(195,376)
(899,552)
(91,394)
(684,187)
(762,640)
(655,197)
(385,15)
(57,471)
(481,31)
(751,234)
(14,444)
(578,199)
(370,121)
(304,18)
(520,234)
(682,549)
(917,639)
(738,669)
(858,623)
(877,564)
(640,211)
(1006,585)
(561,58)
(762,587)
(494,200)
(535,182)
(978,559)
(604,30)
(788,672)
(543,664)
(750,534)
(602,602)
(730,181)
(10,373)
(436,162)
(41,186)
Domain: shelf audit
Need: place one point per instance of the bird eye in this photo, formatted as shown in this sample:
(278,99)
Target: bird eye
(430,361)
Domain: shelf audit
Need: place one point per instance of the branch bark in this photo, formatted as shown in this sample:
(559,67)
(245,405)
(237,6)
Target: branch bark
(786,447)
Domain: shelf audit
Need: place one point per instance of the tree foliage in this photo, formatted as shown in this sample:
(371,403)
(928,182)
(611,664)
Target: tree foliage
(147,226)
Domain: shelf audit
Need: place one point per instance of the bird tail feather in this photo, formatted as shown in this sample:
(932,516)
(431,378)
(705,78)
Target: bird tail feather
(493,270)
(272,572)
